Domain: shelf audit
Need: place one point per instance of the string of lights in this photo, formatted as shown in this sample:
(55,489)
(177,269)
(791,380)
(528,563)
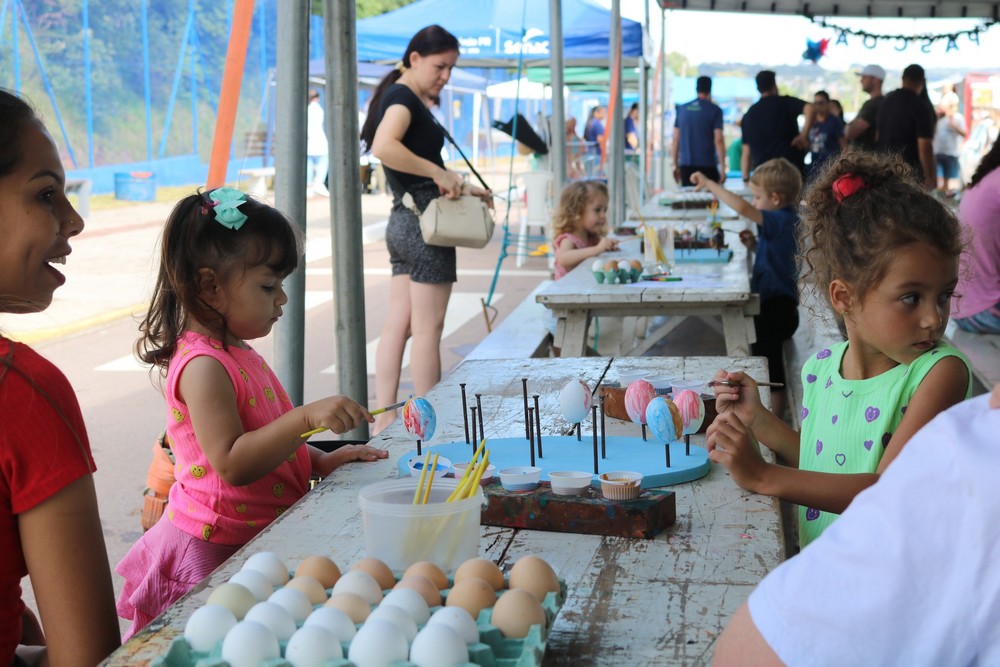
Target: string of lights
(926,40)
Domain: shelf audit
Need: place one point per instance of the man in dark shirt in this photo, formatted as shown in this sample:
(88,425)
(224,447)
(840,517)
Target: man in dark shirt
(906,122)
(861,130)
(771,127)
(698,144)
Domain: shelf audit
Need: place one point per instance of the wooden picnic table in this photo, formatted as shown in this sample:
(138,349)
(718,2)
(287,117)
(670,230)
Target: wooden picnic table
(705,290)
(660,601)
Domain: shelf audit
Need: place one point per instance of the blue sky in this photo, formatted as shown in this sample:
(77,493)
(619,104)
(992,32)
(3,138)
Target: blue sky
(781,39)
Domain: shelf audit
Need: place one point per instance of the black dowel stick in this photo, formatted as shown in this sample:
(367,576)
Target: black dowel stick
(482,417)
(531,435)
(524,392)
(666,446)
(644,433)
(579,438)
(687,444)
(473,411)
(465,414)
(538,425)
(418,447)
(604,453)
(593,409)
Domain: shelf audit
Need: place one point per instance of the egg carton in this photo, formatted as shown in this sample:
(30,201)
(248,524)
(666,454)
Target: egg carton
(493,649)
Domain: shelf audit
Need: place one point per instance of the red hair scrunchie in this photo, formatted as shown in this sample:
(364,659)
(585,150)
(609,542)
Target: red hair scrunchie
(847,185)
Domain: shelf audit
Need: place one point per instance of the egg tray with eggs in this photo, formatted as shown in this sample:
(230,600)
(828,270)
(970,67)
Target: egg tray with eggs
(492,649)
(609,272)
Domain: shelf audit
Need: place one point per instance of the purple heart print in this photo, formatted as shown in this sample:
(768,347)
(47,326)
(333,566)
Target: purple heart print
(886,437)
(829,381)
(805,413)
(819,447)
(871,414)
(824,353)
(810,378)
(868,444)
(834,419)
(812,514)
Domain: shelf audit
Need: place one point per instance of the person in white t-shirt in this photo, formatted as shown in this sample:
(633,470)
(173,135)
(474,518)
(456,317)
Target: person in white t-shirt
(317,149)
(909,574)
(949,133)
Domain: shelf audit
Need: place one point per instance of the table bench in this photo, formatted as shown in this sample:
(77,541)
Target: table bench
(80,187)
(257,180)
(522,334)
(983,351)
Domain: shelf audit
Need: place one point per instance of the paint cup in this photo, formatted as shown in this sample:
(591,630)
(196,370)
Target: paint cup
(628,377)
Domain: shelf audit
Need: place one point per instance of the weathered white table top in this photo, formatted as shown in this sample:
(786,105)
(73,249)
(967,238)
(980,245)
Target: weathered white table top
(704,289)
(630,601)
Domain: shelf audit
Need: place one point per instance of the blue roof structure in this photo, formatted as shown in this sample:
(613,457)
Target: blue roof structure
(489,32)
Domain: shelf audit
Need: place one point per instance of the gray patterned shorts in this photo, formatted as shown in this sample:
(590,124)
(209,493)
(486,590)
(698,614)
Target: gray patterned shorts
(408,253)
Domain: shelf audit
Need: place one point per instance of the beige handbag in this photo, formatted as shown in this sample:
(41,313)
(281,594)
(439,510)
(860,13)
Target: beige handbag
(466,222)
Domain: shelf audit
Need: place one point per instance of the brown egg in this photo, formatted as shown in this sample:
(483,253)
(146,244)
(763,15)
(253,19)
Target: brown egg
(424,586)
(351,604)
(473,595)
(515,612)
(310,586)
(431,571)
(480,568)
(611,265)
(636,264)
(321,568)
(379,571)
(535,576)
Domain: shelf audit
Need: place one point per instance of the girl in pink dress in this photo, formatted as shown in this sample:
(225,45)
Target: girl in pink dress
(581,225)
(240,459)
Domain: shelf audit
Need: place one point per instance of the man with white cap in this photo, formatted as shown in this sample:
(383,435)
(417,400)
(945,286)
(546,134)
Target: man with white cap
(861,130)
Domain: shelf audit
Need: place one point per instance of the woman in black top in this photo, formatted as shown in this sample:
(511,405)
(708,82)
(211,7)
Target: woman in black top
(402,133)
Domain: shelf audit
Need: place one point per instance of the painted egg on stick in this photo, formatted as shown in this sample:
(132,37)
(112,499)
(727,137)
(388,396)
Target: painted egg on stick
(419,419)
(692,410)
(575,401)
(637,398)
(664,419)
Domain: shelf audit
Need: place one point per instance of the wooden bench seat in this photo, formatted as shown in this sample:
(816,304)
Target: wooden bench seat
(521,334)
(80,187)
(983,351)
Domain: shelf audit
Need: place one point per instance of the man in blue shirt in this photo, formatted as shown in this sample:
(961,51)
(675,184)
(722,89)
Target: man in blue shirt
(698,144)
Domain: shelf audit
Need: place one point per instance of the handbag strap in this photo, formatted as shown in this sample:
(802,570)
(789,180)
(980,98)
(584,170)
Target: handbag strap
(448,137)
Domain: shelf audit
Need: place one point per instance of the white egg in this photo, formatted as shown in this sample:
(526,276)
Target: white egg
(398,616)
(438,646)
(295,603)
(410,601)
(575,401)
(248,644)
(378,644)
(624,265)
(273,616)
(270,565)
(312,646)
(458,620)
(207,626)
(334,621)
(598,265)
(255,581)
(359,583)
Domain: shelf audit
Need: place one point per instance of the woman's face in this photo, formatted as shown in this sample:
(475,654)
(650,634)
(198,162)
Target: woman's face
(430,73)
(36,221)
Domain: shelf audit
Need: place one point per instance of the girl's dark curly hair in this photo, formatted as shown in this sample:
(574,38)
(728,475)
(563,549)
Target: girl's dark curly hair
(856,239)
(989,162)
(192,240)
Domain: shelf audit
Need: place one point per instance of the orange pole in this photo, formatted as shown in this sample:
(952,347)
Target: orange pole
(229,96)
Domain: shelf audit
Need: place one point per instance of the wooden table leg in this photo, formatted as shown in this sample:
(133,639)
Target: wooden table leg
(574,340)
(738,330)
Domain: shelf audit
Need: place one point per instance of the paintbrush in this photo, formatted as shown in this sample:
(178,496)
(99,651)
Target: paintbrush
(728,383)
(376,411)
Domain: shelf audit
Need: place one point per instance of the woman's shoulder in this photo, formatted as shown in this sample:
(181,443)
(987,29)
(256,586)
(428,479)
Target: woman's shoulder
(397,93)
(29,366)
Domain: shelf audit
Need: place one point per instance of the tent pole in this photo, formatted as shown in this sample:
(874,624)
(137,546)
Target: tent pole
(643,127)
(291,79)
(662,183)
(345,204)
(615,148)
(557,126)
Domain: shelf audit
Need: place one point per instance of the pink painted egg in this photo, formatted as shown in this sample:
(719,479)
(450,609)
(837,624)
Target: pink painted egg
(692,410)
(637,397)
(419,418)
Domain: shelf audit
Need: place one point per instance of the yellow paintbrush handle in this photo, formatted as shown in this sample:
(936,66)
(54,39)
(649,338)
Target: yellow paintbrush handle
(420,484)
(430,480)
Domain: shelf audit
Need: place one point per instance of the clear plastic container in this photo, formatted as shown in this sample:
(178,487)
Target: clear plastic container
(399,533)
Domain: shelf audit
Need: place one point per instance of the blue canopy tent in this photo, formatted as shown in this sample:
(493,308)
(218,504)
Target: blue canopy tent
(490,32)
